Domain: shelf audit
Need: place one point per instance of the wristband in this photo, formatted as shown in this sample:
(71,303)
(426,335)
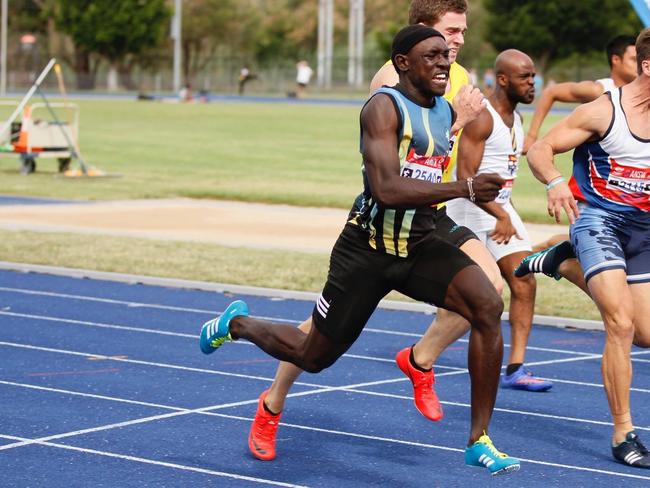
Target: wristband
(554,182)
(472,196)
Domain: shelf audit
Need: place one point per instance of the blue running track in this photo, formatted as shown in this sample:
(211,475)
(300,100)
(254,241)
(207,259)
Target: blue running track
(102,384)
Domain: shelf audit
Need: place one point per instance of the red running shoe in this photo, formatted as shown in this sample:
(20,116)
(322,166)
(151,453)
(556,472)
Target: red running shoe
(424,396)
(261,440)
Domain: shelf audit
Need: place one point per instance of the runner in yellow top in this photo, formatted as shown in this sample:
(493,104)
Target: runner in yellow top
(450,18)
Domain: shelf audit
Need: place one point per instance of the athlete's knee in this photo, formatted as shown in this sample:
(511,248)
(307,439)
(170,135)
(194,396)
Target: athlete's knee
(316,364)
(486,313)
(619,326)
(523,288)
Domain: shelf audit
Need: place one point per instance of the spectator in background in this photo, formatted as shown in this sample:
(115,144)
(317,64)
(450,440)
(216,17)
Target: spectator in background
(185,93)
(488,82)
(245,76)
(303,76)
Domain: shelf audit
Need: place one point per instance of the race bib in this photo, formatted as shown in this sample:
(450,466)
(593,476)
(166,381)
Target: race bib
(513,164)
(427,168)
(504,194)
(628,179)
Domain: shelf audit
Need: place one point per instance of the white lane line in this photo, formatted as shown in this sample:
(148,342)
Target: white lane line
(183,368)
(43,441)
(350,388)
(98,325)
(313,385)
(326,388)
(177,413)
(212,312)
(130,303)
(101,325)
(181,467)
(443,448)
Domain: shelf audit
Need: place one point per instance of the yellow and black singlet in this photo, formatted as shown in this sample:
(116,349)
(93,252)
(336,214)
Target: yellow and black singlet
(423,148)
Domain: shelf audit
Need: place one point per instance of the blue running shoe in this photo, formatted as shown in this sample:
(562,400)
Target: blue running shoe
(217,331)
(522,379)
(546,261)
(483,453)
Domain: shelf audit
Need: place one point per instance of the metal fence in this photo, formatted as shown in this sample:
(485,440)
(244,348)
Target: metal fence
(221,76)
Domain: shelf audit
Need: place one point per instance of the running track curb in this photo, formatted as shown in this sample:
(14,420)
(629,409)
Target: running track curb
(264,292)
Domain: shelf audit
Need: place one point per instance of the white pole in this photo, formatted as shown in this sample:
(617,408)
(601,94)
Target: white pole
(27,96)
(3,51)
(320,70)
(177,36)
(352,39)
(329,42)
(359,43)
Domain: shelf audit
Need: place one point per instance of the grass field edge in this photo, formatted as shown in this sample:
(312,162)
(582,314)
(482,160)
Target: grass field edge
(562,322)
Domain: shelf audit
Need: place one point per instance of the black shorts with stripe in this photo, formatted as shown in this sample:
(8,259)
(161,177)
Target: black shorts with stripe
(360,276)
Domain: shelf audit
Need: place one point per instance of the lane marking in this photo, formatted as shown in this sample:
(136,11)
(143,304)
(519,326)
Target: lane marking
(181,467)
(328,388)
(350,388)
(194,336)
(26,441)
(313,385)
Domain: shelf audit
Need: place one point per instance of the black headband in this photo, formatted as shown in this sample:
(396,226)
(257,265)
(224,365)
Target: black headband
(410,36)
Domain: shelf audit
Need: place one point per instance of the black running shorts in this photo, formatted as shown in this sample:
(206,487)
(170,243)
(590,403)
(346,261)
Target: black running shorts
(359,277)
(447,229)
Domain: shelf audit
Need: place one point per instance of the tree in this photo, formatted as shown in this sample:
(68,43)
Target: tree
(550,30)
(117,31)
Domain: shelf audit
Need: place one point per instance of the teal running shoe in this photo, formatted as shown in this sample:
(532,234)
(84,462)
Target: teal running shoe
(546,261)
(483,453)
(217,331)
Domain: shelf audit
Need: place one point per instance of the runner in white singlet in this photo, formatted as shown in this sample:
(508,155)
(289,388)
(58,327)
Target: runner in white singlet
(611,228)
(493,144)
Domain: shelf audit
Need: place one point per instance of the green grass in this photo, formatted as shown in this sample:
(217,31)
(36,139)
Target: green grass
(283,153)
(208,262)
(296,154)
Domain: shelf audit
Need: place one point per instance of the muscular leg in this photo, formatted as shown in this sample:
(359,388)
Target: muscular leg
(285,377)
(449,326)
(471,295)
(614,299)
(522,305)
(310,351)
(444,330)
(571,270)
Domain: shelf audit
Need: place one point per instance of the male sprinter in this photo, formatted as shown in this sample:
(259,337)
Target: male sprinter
(392,240)
(492,144)
(611,227)
(449,18)
(555,257)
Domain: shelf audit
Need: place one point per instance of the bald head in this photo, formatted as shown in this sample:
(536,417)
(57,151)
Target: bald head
(511,60)
(515,76)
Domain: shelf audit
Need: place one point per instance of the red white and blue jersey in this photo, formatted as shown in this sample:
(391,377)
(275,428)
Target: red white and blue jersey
(613,173)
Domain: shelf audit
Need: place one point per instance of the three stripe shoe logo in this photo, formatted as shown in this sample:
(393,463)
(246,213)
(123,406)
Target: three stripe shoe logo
(210,328)
(486,460)
(322,306)
(632,457)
